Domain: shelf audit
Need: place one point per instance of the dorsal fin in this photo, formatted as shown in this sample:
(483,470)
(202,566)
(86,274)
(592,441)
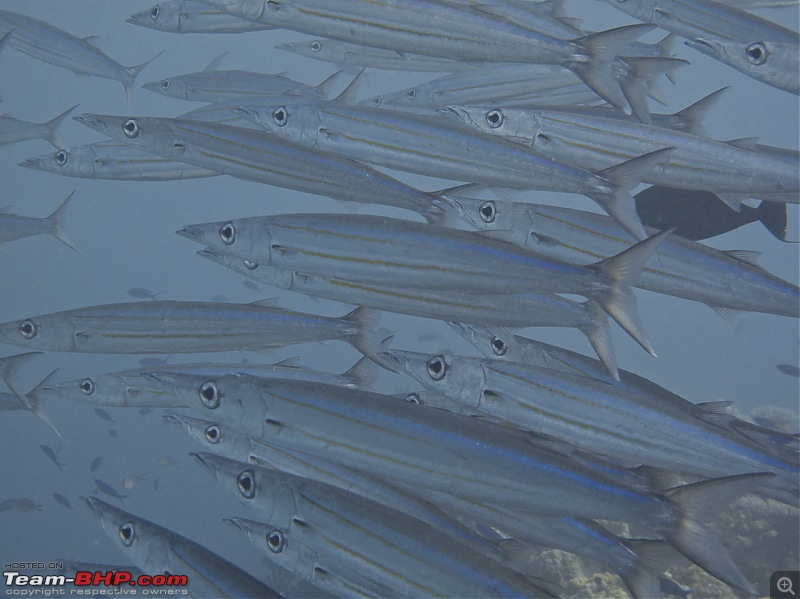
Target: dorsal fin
(214,64)
(350,93)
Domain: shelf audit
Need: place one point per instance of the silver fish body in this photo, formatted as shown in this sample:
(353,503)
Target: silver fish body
(156,550)
(681,268)
(595,142)
(347,530)
(191,16)
(57,47)
(177,327)
(258,156)
(115,161)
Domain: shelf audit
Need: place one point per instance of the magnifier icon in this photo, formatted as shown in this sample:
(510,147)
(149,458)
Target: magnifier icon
(784,585)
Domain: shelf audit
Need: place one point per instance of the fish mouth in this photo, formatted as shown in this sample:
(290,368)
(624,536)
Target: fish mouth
(93,121)
(393,361)
(33,163)
(459,112)
(212,254)
(236,524)
(192,232)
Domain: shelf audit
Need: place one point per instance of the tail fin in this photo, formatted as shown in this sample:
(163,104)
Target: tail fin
(363,373)
(775,217)
(692,117)
(35,405)
(652,559)
(55,221)
(622,271)
(699,503)
(597,72)
(129,76)
(325,88)
(644,71)
(365,339)
(599,336)
(622,178)
(51,128)
(8,371)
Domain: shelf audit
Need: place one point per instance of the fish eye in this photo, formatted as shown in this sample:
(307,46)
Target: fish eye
(28,329)
(62,158)
(227,233)
(246,483)
(209,395)
(315,46)
(499,346)
(279,116)
(494,118)
(757,53)
(165,84)
(276,541)
(154,12)
(376,100)
(249,264)
(87,386)
(127,534)
(488,212)
(437,368)
(412,93)
(412,398)
(213,434)
(130,128)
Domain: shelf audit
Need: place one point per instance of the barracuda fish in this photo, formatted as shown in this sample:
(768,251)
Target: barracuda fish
(486,84)
(290,552)
(257,156)
(55,46)
(182,327)
(754,46)
(366,249)
(517,121)
(345,54)
(13,226)
(157,550)
(402,442)
(191,16)
(503,310)
(14,131)
(214,85)
(724,281)
(115,161)
(446,30)
(751,58)
(229,444)
(697,163)
(437,148)
(394,550)
(603,419)
(156,387)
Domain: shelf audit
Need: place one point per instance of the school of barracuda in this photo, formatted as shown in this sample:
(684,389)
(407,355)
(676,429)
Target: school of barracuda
(456,138)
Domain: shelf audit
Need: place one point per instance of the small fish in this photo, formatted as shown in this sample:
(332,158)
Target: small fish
(142,293)
(52,455)
(789,369)
(95,464)
(107,489)
(130,481)
(699,215)
(62,500)
(21,504)
(191,16)
(104,415)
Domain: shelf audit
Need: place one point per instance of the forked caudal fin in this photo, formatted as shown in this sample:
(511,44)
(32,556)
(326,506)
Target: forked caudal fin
(52,126)
(55,220)
(617,201)
(599,336)
(699,503)
(365,339)
(601,48)
(130,74)
(622,271)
